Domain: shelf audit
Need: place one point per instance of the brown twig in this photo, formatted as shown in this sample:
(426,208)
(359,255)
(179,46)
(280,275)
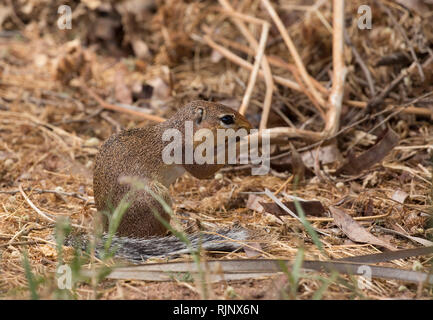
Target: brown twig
(245,64)
(21,25)
(296,74)
(362,64)
(273,60)
(40,212)
(396,112)
(339,70)
(20,243)
(131,110)
(264,63)
(406,39)
(254,72)
(110,120)
(419,111)
(329,138)
(36,209)
(405,72)
(293,51)
(39,191)
(288,133)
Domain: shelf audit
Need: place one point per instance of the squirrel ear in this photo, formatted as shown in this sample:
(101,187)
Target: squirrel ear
(199,115)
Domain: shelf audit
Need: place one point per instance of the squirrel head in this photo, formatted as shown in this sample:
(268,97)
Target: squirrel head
(211,116)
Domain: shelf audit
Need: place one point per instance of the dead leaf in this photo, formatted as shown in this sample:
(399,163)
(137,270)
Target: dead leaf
(327,154)
(290,212)
(394,58)
(253,250)
(403,233)
(372,156)
(364,138)
(399,196)
(254,203)
(354,231)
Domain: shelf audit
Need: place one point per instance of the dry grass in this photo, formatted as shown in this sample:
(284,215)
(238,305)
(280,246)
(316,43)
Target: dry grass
(48,130)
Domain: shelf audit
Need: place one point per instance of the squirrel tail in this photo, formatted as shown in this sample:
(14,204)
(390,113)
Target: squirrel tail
(139,250)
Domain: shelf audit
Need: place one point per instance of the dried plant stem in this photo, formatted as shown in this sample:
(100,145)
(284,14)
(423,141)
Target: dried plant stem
(229,10)
(362,64)
(419,111)
(320,219)
(20,243)
(60,193)
(296,57)
(288,133)
(40,212)
(295,73)
(31,204)
(122,109)
(257,62)
(56,130)
(403,73)
(273,60)
(406,39)
(339,70)
(289,179)
(264,62)
(245,64)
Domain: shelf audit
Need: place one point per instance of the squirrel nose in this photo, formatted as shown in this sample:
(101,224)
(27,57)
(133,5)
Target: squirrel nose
(245,124)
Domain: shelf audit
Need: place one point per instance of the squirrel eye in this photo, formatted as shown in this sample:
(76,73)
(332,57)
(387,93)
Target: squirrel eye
(227,119)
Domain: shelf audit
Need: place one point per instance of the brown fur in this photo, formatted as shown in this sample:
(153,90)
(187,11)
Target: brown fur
(138,153)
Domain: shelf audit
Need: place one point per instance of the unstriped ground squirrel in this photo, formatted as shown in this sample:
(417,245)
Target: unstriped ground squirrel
(139,153)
